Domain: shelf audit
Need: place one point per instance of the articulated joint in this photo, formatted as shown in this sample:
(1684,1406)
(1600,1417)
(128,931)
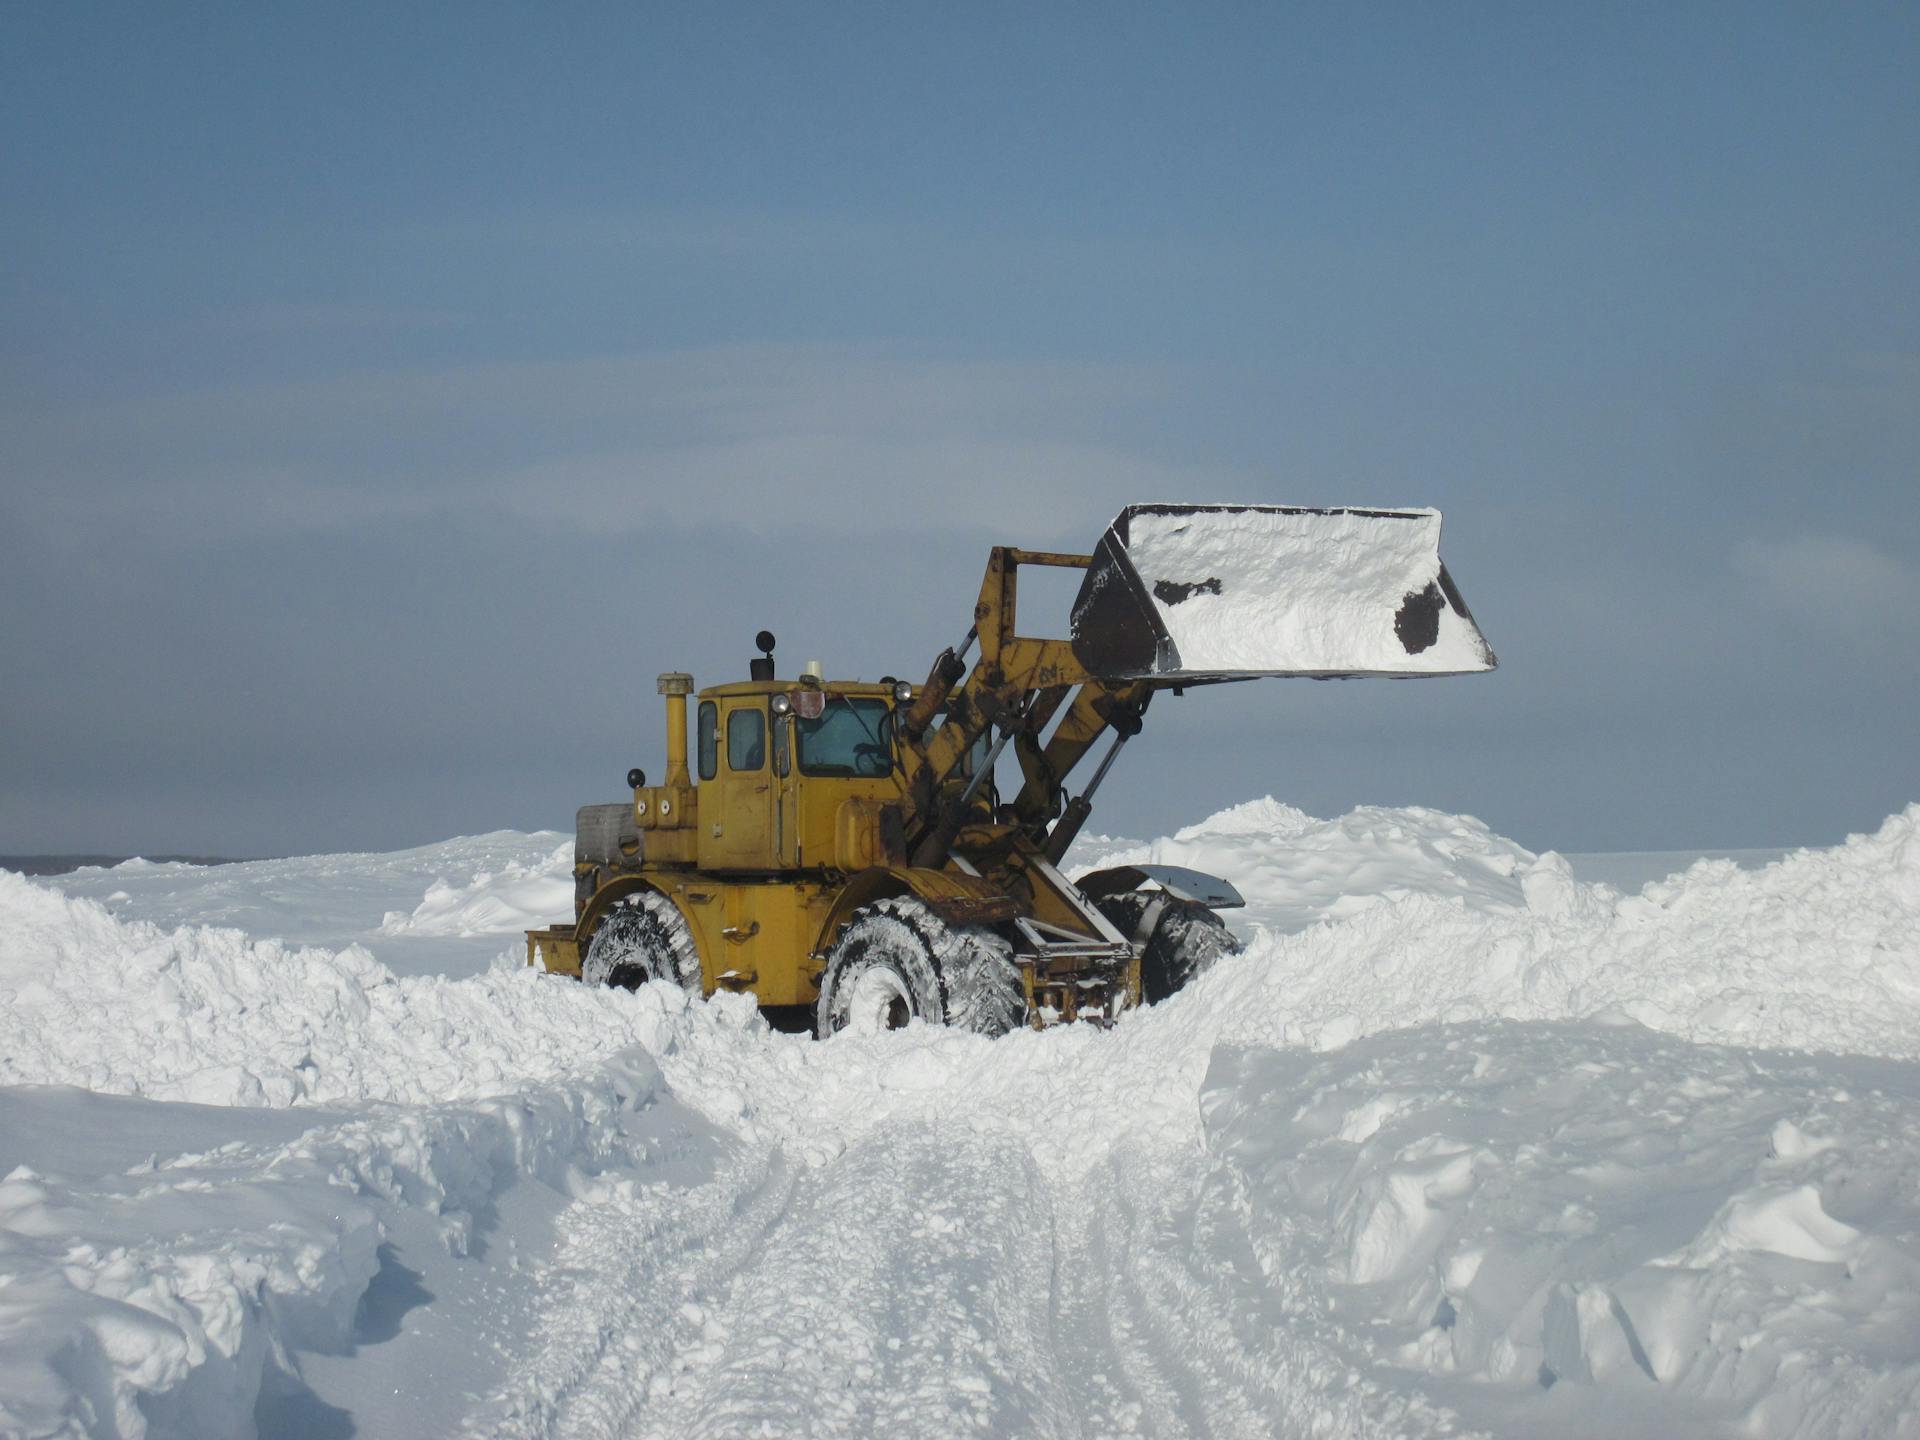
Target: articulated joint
(1125,719)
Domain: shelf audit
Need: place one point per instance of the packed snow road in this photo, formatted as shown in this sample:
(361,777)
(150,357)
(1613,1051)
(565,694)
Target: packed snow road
(1459,1145)
(945,1243)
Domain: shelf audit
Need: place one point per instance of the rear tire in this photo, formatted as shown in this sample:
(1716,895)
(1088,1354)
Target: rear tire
(896,962)
(643,937)
(1187,939)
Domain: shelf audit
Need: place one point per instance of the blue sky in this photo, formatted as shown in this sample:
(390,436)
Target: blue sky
(387,393)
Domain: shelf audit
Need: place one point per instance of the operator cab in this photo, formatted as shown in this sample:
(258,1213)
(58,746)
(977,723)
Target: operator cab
(780,761)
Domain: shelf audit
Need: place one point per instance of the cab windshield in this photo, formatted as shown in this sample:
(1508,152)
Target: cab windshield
(851,737)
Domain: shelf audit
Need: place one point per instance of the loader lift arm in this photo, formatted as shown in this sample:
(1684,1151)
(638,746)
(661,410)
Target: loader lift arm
(1017,686)
(1173,595)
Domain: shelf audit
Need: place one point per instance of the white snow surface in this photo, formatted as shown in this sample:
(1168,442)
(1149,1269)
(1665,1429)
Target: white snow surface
(418,908)
(1385,919)
(1305,592)
(1459,1144)
(520,896)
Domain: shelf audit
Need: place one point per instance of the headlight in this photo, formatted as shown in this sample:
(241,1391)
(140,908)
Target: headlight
(903,692)
(780,705)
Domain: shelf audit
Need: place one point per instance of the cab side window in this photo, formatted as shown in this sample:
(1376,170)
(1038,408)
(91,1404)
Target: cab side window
(746,739)
(709,740)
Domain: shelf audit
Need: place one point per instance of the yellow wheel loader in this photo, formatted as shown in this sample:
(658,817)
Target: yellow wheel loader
(839,848)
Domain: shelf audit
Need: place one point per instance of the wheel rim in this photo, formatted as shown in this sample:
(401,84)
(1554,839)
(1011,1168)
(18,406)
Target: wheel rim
(877,1000)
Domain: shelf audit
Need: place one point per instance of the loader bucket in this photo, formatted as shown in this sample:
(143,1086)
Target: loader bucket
(1199,593)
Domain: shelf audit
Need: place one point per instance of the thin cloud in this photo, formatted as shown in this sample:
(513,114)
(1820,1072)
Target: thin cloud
(845,482)
(759,437)
(1835,577)
(344,318)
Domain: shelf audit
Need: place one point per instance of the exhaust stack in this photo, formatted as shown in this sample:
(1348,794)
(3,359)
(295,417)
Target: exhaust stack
(676,686)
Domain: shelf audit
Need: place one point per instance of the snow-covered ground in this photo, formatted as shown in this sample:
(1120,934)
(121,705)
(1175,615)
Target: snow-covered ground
(1462,1143)
(420,910)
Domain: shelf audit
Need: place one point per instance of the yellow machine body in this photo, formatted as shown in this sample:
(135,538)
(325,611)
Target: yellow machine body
(801,801)
(766,862)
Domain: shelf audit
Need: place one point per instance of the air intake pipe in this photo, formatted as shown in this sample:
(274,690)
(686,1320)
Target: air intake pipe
(676,687)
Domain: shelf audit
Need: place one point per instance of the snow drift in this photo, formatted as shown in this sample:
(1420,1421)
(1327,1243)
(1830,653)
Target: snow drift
(1597,1221)
(1407,917)
(211,1016)
(420,910)
(1407,1165)
(519,896)
(160,1296)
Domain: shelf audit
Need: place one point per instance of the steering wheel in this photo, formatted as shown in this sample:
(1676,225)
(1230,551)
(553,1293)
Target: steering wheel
(871,761)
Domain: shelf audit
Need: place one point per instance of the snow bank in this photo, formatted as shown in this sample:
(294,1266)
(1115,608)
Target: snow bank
(1820,951)
(160,1297)
(334,901)
(1513,1215)
(518,897)
(1386,920)
(1533,1205)
(211,1016)
(1296,871)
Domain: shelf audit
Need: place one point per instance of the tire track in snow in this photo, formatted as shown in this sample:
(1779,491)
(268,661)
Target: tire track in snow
(932,1281)
(1203,1364)
(622,1295)
(905,1291)
(938,1259)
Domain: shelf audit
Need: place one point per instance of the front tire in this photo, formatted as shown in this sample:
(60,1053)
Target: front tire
(1186,939)
(643,937)
(897,962)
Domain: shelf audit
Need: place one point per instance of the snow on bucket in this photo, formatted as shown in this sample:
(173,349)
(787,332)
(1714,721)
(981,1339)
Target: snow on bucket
(1227,592)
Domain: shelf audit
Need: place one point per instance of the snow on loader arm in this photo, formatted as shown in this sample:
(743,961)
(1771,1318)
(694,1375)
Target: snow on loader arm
(1191,594)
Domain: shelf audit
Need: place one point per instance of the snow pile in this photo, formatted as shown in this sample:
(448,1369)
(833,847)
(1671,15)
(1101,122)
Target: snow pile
(159,1297)
(519,896)
(211,1016)
(333,900)
(1296,871)
(1304,592)
(1819,951)
(1527,1206)
(1285,1201)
